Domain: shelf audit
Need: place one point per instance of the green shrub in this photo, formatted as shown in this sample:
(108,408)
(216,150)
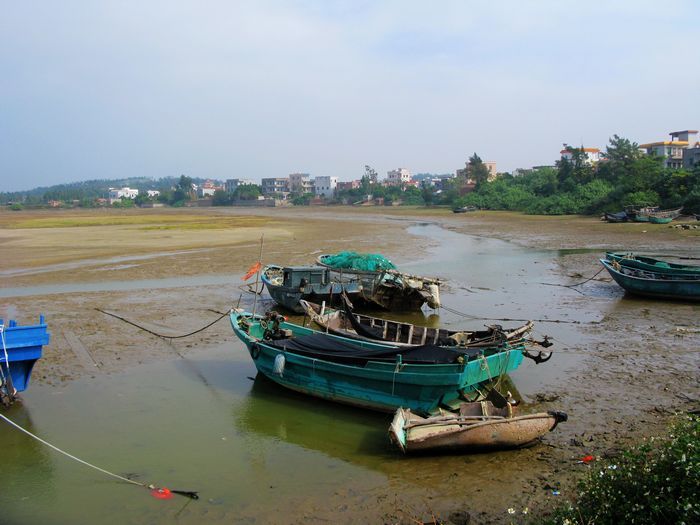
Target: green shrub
(656,482)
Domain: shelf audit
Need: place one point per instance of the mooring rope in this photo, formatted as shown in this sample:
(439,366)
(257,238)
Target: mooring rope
(162,336)
(189,494)
(508,319)
(577,284)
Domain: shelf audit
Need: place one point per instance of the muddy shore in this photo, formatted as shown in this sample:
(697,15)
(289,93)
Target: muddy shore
(640,362)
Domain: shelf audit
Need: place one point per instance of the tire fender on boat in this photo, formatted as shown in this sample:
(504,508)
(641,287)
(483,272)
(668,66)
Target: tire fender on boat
(255,351)
(278,366)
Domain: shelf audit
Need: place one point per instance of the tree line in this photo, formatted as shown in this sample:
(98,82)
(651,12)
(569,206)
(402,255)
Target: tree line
(625,176)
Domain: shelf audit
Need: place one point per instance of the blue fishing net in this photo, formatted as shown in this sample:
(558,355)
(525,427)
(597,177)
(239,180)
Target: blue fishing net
(371,262)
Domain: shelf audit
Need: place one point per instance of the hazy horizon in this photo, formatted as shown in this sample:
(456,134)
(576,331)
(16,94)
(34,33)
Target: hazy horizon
(102,90)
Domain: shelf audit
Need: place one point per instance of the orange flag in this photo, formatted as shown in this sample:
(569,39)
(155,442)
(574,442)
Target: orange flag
(252,270)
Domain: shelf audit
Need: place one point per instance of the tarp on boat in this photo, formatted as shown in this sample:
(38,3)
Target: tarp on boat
(329,348)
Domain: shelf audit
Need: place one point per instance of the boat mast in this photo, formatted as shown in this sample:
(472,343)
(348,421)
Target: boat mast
(257,275)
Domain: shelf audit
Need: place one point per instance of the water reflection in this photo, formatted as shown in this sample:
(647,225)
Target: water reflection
(338,431)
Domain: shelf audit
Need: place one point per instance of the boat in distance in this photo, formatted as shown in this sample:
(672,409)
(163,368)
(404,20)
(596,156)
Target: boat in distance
(654,284)
(367,374)
(474,427)
(22,348)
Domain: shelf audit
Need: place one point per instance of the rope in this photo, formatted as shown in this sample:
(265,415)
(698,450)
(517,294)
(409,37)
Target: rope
(6,382)
(468,316)
(163,336)
(577,284)
(192,495)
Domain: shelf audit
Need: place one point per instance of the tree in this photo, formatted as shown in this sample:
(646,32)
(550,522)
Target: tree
(428,194)
(247,192)
(221,198)
(371,175)
(478,171)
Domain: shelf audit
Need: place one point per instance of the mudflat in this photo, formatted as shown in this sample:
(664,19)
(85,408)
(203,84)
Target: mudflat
(639,366)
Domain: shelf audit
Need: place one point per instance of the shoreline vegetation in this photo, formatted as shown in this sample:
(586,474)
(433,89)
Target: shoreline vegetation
(574,185)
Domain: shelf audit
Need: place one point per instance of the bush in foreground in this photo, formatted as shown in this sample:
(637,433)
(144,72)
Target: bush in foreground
(657,482)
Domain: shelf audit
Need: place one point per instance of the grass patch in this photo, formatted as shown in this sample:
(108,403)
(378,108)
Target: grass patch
(149,222)
(656,482)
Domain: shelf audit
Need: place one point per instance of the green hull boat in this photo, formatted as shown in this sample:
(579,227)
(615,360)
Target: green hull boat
(655,284)
(641,262)
(365,374)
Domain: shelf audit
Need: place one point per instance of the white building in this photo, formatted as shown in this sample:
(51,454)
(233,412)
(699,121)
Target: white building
(325,186)
(398,177)
(233,184)
(116,194)
(152,193)
(592,154)
(672,150)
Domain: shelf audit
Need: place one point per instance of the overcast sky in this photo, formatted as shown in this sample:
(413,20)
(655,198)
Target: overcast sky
(226,89)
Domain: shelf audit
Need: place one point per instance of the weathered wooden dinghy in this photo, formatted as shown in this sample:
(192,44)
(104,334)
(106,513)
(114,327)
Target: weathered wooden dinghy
(351,324)
(477,426)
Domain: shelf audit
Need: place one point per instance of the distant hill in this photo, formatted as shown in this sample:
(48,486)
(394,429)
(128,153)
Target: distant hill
(88,189)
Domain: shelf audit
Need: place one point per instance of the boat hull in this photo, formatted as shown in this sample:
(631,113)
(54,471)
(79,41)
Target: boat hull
(452,433)
(24,345)
(653,284)
(653,265)
(382,386)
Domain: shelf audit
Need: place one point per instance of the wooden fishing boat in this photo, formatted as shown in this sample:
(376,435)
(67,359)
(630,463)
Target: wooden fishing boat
(381,283)
(653,283)
(287,285)
(367,374)
(476,426)
(664,216)
(640,213)
(348,323)
(642,262)
(21,349)
(616,217)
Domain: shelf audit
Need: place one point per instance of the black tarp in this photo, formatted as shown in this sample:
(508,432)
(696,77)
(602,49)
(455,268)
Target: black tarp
(328,348)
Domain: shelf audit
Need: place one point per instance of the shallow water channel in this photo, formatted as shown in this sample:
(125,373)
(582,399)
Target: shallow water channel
(256,452)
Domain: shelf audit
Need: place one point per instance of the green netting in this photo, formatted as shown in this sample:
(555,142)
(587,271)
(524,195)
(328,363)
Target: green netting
(371,262)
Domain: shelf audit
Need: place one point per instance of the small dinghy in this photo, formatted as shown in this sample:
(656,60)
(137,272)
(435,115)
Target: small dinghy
(476,426)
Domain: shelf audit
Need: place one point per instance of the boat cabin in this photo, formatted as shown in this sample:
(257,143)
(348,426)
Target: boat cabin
(302,276)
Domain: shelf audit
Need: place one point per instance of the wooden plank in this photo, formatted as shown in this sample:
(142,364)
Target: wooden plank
(79,350)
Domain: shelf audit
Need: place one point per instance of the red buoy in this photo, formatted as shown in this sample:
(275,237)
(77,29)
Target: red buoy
(161,493)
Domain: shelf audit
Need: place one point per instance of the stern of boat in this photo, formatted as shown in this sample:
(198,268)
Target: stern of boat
(397,434)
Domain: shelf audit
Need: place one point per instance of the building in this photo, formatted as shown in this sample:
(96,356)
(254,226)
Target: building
(592,154)
(691,157)
(152,193)
(273,185)
(300,183)
(398,177)
(325,186)
(116,194)
(349,185)
(466,172)
(672,150)
(208,188)
(231,185)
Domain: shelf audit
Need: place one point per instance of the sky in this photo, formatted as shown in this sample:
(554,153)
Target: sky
(236,89)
